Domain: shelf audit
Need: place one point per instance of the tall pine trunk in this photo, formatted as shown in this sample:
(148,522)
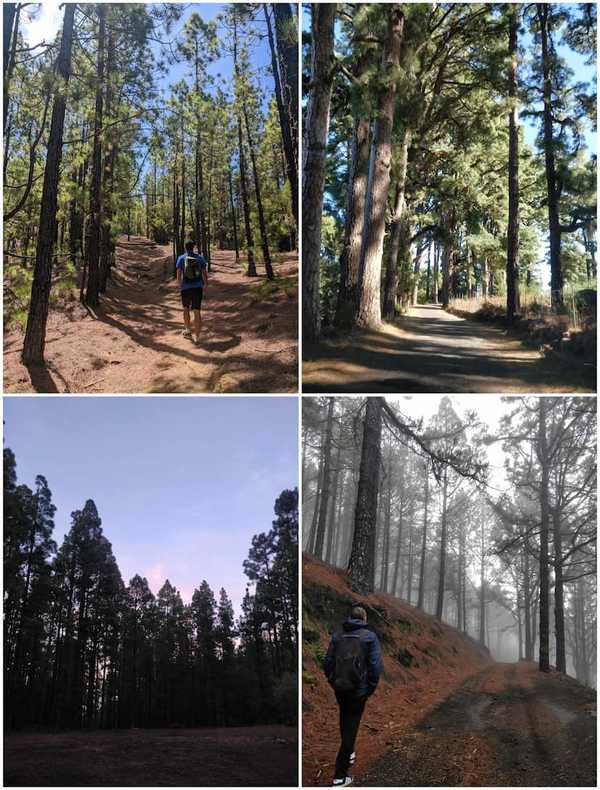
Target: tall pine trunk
(369,305)
(361,567)
(556,273)
(358,178)
(559,595)
(396,231)
(96,208)
(35,334)
(233,217)
(421,593)
(512,241)
(324,501)
(287,119)
(259,207)
(251,272)
(439,608)
(316,129)
(542,450)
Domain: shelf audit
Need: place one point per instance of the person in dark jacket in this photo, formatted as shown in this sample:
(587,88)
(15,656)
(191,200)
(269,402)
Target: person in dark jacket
(353,696)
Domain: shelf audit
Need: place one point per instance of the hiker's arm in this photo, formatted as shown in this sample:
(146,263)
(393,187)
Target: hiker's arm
(179,274)
(328,661)
(374,663)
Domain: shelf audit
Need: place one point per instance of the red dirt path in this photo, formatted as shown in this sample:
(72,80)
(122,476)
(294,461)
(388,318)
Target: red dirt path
(133,342)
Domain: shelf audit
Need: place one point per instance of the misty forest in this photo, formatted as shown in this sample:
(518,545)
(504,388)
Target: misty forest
(84,650)
(412,508)
(448,162)
(476,526)
(138,127)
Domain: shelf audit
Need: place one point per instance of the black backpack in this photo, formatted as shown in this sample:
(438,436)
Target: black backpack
(191,269)
(350,668)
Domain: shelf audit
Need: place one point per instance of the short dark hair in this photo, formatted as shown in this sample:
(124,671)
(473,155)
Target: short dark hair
(189,246)
(358,613)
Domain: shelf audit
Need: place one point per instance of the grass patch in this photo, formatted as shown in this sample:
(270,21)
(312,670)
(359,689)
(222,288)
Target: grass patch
(268,288)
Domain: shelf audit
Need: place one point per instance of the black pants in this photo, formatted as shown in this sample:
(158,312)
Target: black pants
(351,711)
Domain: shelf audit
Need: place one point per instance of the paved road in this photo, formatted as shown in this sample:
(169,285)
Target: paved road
(509,725)
(431,350)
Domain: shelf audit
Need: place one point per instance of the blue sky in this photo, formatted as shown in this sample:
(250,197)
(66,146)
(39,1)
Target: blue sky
(48,20)
(259,48)
(181,483)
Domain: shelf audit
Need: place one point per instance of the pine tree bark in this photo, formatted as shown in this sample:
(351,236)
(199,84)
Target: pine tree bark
(316,129)
(108,171)
(251,272)
(421,593)
(512,240)
(96,207)
(439,609)
(368,314)
(10,20)
(358,177)
(285,109)
(324,501)
(361,567)
(559,595)
(482,585)
(556,273)
(35,334)
(259,207)
(542,453)
(397,230)
(233,217)
(332,520)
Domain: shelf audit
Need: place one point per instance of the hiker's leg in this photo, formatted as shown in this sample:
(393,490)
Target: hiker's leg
(351,710)
(197,321)
(186,318)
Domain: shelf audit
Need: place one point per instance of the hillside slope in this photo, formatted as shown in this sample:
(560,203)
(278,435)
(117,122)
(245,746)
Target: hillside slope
(444,714)
(424,661)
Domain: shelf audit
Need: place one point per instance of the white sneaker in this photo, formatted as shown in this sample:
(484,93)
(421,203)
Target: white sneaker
(187,333)
(196,339)
(342,782)
(352,758)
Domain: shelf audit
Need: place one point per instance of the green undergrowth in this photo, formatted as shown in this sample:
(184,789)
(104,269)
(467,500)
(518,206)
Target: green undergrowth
(17,291)
(268,288)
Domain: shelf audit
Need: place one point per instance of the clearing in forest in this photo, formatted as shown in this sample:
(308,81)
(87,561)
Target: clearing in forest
(432,350)
(132,342)
(265,756)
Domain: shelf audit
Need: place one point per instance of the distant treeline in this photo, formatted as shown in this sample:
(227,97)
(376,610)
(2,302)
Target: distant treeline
(82,650)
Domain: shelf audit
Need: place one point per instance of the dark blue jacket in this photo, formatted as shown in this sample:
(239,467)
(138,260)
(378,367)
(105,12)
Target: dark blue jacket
(372,650)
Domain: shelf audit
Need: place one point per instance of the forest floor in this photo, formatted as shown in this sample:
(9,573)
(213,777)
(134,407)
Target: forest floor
(264,756)
(133,342)
(432,350)
(508,725)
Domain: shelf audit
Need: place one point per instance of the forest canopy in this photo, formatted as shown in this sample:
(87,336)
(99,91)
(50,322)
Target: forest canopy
(449,151)
(83,649)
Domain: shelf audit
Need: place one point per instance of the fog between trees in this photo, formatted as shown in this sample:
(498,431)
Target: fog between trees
(413,507)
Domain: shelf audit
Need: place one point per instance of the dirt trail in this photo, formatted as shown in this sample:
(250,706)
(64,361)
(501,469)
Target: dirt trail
(508,725)
(431,350)
(133,342)
(262,756)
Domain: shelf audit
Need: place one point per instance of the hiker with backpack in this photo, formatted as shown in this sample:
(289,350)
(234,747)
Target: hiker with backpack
(352,665)
(192,278)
